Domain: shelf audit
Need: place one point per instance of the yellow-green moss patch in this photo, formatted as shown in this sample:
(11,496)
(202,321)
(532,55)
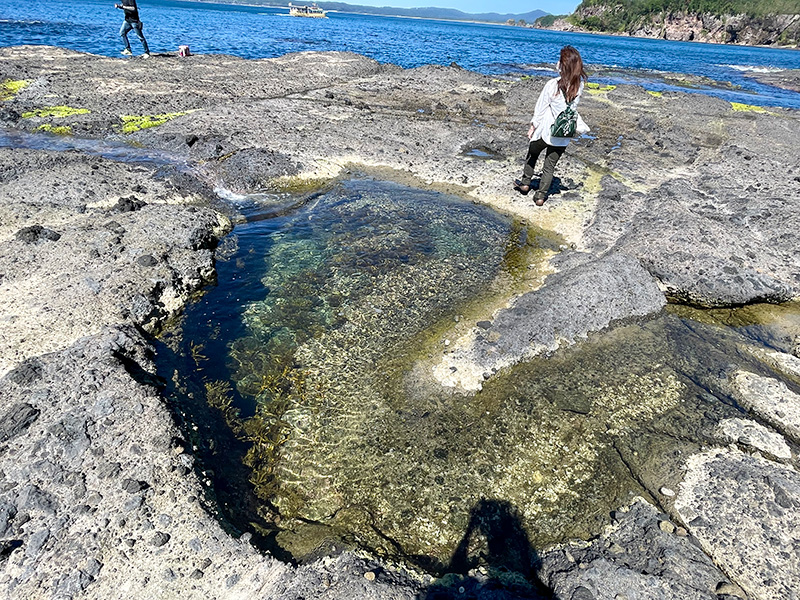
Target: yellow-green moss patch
(57,112)
(596,88)
(56,129)
(746,316)
(134,123)
(10,88)
(739,107)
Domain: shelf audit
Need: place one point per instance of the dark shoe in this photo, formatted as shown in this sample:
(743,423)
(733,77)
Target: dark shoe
(522,189)
(539,200)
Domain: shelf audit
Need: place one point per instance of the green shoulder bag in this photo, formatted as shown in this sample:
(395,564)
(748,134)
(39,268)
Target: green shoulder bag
(566,124)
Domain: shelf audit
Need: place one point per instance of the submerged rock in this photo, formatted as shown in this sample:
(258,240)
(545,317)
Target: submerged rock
(571,305)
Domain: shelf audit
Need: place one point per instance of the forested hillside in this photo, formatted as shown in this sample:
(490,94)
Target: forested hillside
(763,22)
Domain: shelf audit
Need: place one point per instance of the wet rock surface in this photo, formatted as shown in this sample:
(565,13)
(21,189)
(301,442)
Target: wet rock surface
(788,79)
(98,500)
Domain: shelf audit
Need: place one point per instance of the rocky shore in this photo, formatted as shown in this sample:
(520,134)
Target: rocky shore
(774,30)
(674,196)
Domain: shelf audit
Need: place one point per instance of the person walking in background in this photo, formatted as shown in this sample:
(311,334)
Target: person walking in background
(131,22)
(556,95)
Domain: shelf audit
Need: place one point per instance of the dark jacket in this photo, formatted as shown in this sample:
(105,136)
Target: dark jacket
(130,15)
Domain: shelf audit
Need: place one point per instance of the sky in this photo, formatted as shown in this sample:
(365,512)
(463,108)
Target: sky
(556,7)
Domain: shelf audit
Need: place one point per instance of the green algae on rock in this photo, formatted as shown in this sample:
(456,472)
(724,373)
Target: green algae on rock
(134,123)
(294,184)
(740,107)
(55,129)
(10,88)
(596,88)
(56,112)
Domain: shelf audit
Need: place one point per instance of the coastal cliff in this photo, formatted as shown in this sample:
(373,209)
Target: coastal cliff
(744,23)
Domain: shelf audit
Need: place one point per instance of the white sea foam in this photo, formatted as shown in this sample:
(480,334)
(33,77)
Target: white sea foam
(231,196)
(750,69)
(254,199)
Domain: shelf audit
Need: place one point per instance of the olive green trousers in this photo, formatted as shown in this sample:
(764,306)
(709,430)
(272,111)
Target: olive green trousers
(551,156)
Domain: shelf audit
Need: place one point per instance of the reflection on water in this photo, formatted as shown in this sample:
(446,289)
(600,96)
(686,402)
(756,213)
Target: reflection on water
(321,321)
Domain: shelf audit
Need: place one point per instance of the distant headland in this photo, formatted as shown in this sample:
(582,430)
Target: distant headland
(745,22)
(449,14)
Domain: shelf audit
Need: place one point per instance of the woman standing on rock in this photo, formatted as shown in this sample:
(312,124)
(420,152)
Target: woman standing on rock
(559,92)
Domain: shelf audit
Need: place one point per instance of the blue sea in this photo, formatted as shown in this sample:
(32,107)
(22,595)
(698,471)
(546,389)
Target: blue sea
(262,32)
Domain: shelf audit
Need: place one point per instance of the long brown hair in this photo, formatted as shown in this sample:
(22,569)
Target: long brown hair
(571,73)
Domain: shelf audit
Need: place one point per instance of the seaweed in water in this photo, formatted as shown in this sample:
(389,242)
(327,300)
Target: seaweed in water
(266,430)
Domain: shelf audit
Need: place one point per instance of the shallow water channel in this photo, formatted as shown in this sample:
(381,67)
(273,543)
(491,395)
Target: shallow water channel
(315,348)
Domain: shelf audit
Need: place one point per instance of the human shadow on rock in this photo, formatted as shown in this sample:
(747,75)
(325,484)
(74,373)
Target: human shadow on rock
(556,186)
(493,561)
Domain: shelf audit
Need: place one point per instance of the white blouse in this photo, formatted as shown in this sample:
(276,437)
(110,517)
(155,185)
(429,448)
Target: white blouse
(549,105)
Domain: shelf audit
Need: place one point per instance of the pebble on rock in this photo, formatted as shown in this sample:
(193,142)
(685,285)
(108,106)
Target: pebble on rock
(730,589)
(615,548)
(667,492)
(147,260)
(35,233)
(666,526)
(132,486)
(159,539)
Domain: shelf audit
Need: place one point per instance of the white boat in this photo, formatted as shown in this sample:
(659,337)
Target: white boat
(306,11)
